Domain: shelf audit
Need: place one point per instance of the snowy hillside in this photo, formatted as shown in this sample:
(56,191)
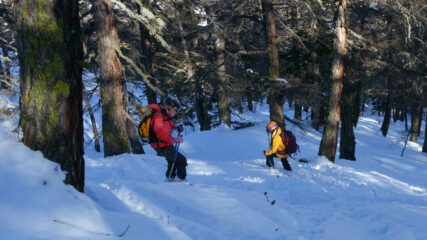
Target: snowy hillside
(230,194)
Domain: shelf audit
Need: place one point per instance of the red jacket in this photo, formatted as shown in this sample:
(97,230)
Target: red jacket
(161,125)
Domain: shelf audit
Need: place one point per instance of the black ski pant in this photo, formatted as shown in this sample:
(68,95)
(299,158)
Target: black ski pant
(270,162)
(179,168)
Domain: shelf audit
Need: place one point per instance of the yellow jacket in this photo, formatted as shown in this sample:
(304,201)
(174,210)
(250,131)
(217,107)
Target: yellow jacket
(276,144)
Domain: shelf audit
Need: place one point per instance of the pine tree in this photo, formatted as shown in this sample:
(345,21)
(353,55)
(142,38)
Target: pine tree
(113,115)
(328,145)
(50,54)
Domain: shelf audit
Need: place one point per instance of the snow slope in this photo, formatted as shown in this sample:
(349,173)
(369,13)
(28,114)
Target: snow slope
(229,194)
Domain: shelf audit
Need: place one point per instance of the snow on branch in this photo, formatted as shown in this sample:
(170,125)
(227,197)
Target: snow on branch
(151,22)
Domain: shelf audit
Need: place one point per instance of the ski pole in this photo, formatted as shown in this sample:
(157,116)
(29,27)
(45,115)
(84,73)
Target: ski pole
(174,157)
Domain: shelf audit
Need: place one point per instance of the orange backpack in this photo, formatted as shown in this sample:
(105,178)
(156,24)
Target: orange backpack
(145,114)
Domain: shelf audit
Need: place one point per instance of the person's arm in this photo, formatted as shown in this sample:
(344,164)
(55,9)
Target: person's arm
(274,145)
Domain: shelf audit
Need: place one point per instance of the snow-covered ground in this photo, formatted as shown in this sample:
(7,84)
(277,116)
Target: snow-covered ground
(230,193)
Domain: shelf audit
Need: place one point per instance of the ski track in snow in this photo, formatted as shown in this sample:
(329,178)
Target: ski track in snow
(194,211)
(230,194)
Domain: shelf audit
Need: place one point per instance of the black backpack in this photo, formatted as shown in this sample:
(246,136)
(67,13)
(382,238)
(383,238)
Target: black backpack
(290,142)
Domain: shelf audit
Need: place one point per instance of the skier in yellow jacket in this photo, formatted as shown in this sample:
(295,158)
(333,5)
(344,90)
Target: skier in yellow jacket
(277,147)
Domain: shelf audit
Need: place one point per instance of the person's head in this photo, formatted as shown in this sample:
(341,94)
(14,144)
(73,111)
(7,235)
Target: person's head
(271,126)
(171,104)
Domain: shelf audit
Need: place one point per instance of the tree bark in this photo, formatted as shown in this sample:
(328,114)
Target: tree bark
(357,104)
(223,100)
(298,111)
(249,98)
(270,31)
(135,144)
(92,119)
(347,140)
(328,144)
(113,116)
(316,105)
(50,52)
(202,112)
(147,61)
(425,137)
(396,115)
(2,74)
(389,104)
(416,116)
(275,97)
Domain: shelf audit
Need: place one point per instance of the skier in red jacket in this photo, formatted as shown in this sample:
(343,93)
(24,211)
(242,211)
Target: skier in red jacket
(161,126)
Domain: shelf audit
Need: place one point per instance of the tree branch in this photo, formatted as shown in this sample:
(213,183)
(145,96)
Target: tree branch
(139,71)
(150,21)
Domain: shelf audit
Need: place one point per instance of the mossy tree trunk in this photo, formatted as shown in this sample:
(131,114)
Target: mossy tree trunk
(50,54)
(275,96)
(114,133)
(328,144)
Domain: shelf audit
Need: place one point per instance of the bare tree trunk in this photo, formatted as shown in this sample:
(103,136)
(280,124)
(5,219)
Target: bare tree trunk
(275,97)
(92,119)
(389,104)
(298,112)
(113,116)
(328,145)
(396,114)
(50,52)
(223,100)
(202,112)
(135,144)
(405,116)
(270,31)
(249,98)
(416,116)
(357,104)
(315,108)
(2,74)
(347,140)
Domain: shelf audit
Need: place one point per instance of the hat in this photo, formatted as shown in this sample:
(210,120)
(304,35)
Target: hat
(271,126)
(172,101)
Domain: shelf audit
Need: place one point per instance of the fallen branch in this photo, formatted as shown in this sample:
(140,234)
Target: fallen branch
(296,123)
(406,143)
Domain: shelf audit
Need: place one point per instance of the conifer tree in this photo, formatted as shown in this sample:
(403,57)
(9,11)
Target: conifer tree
(50,54)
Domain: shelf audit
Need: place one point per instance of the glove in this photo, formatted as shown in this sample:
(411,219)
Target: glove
(178,140)
(263,152)
(179,128)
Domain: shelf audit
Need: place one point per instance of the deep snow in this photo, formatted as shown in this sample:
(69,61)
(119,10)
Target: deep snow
(230,191)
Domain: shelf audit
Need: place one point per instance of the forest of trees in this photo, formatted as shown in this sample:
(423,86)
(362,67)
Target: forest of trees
(327,58)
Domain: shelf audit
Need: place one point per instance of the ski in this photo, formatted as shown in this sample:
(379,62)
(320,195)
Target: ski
(172,180)
(57,220)
(268,200)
